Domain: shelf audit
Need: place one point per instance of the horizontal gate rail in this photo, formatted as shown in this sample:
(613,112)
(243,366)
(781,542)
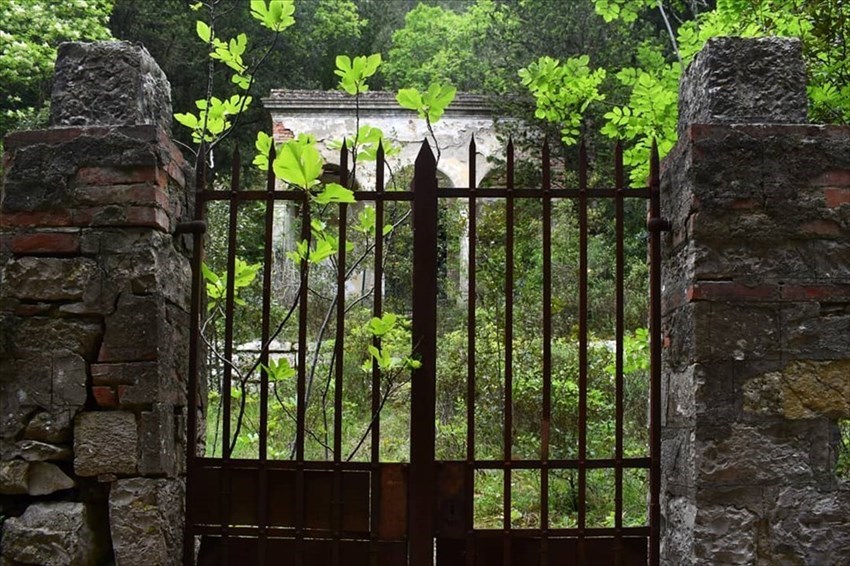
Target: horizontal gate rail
(297,510)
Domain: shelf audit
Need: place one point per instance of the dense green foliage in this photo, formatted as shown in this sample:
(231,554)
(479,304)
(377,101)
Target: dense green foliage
(30,32)
(564,92)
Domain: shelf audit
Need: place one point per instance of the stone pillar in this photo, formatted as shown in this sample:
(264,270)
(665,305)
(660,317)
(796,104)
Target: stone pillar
(94,302)
(756,309)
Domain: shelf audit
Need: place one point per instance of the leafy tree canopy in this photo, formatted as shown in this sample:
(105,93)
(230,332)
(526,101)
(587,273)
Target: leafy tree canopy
(30,32)
(645,108)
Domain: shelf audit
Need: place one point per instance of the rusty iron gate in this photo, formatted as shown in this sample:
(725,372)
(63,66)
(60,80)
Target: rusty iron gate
(271,511)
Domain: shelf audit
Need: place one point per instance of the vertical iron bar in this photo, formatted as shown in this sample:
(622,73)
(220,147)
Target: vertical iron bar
(655,357)
(547,354)
(470,361)
(582,364)
(262,492)
(422,402)
(193,402)
(377,311)
(619,185)
(339,352)
(301,409)
(229,302)
(509,353)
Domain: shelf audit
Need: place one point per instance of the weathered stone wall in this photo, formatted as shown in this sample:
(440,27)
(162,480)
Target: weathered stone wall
(94,302)
(756,316)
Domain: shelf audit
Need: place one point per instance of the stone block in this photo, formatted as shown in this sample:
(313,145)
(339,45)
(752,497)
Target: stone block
(54,534)
(809,526)
(134,330)
(754,454)
(45,478)
(105,443)
(677,546)
(812,332)
(70,375)
(38,334)
(801,390)
(158,454)
(677,391)
(735,80)
(147,262)
(725,535)
(744,331)
(678,460)
(109,83)
(55,426)
(35,451)
(13,477)
(146,519)
(25,382)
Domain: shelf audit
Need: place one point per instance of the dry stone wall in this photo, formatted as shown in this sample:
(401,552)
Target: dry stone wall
(94,303)
(756,316)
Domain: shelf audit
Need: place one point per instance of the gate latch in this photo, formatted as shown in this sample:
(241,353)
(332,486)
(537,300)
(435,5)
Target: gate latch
(191,227)
(658,224)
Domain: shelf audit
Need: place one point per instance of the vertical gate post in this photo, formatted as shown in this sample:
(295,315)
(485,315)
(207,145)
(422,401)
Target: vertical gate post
(94,301)
(756,316)
(423,380)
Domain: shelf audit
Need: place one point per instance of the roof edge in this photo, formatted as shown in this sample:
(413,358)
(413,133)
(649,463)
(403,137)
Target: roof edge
(304,101)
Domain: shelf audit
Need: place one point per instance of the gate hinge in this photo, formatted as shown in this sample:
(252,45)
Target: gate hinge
(191,227)
(658,224)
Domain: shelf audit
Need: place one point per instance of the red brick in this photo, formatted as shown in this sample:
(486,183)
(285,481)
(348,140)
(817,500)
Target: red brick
(104,176)
(731,291)
(822,228)
(122,215)
(30,309)
(836,196)
(144,193)
(834,178)
(745,204)
(105,396)
(148,217)
(45,243)
(176,172)
(51,136)
(41,219)
(816,292)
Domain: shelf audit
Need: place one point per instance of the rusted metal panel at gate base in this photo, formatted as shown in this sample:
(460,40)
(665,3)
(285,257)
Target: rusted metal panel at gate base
(452,511)
(562,551)
(392,523)
(244,496)
(282,552)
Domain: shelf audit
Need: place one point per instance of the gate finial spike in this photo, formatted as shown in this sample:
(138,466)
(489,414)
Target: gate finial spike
(426,156)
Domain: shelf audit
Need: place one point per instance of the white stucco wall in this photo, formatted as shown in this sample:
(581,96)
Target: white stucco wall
(331,116)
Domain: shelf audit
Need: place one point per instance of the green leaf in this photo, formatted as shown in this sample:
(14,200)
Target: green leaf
(300,253)
(325,248)
(380,326)
(299,164)
(274,14)
(203,31)
(335,193)
(372,64)
(409,98)
(366,220)
(188,120)
(280,370)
